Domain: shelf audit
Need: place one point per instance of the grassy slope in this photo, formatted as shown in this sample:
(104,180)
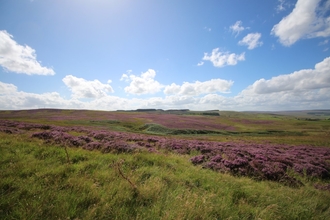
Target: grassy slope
(38,183)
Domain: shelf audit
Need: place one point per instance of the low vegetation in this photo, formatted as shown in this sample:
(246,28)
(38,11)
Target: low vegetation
(99,166)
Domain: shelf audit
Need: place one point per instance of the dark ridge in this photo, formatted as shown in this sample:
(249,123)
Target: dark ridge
(146,110)
(178,110)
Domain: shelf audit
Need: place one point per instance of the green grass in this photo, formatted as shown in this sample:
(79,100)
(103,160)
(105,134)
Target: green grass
(161,130)
(37,182)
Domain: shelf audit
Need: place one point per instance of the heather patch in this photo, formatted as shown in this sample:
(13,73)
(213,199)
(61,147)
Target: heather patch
(322,186)
(172,121)
(259,161)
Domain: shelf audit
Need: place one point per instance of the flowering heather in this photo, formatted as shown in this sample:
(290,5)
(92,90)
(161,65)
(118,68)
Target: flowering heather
(165,119)
(259,161)
(59,137)
(23,125)
(322,187)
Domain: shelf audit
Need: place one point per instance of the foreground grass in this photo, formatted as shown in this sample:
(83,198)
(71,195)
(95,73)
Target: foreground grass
(37,182)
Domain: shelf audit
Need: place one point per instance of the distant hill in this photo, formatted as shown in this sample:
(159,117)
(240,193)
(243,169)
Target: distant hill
(312,114)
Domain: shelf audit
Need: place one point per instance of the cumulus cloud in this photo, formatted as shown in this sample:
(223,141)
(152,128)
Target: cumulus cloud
(284,100)
(171,102)
(251,40)
(302,89)
(221,59)
(82,88)
(305,79)
(6,88)
(20,59)
(237,28)
(112,103)
(198,88)
(307,20)
(144,84)
(216,101)
(11,98)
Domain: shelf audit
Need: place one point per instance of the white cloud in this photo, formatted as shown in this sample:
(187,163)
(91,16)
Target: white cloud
(251,40)
(220,59)
(215,101)
(172,89)
(237,28)
(307,20)
(82,88)
(281,6)
(200,63)
(124,77)
(20,59)
(10,98)
(7,88)
(302,89)
(198,88)
(171,102)
(112,103)
(284,100)
(144,84)
(305,79)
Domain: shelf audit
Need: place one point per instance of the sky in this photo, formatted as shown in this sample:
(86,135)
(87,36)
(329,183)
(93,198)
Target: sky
(236,55)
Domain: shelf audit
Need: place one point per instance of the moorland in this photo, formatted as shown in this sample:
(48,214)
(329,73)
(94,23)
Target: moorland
(156,164)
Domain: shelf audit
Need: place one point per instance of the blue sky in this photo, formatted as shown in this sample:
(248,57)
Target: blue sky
(129,54)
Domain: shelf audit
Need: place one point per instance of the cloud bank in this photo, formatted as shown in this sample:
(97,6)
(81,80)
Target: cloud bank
(299,81)
(198,88)
(302,89)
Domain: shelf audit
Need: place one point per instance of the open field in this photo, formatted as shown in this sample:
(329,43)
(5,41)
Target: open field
(81,164)
(229,126)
